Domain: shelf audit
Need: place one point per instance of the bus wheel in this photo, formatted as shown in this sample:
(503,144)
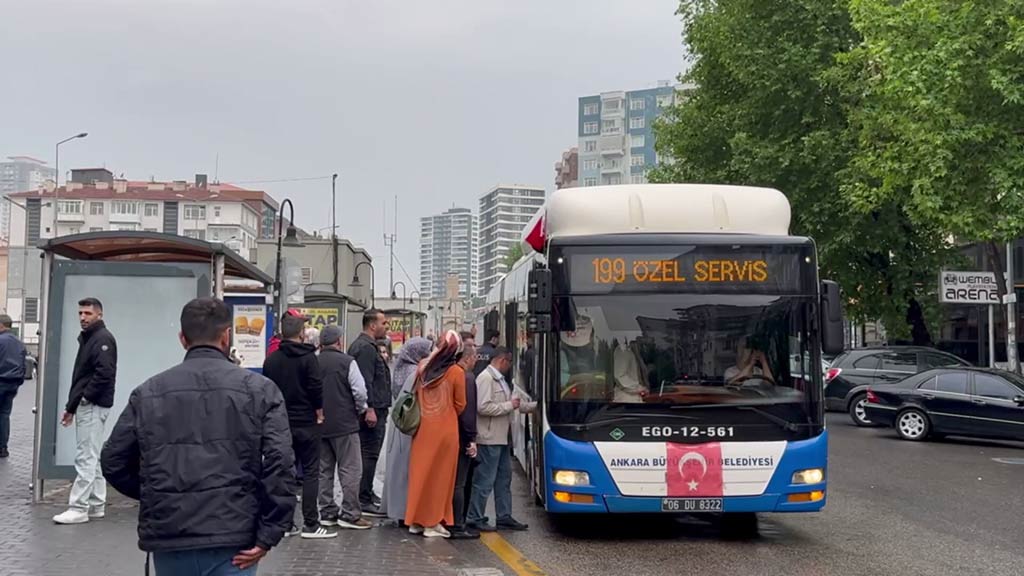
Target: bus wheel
(739,525)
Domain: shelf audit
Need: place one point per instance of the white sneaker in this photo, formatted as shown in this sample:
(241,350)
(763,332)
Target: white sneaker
(416,529)
(97,513)
(72,517)
(436,532)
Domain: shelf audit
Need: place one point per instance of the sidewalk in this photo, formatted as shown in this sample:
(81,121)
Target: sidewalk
(32,545)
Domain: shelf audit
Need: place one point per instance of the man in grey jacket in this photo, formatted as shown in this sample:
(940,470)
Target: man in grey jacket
(344,407)
(495,405)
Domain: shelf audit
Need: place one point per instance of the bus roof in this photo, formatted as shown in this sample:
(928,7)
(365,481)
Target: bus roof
(664,209)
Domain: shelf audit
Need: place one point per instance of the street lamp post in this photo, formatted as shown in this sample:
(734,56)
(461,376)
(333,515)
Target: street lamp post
(356,284)
(291,239)
(56,178)
(394,296)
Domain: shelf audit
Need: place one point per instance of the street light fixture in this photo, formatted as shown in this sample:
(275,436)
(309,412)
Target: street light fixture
(394,296)
(411,301)
(291,240)
(356,284)
(56,178)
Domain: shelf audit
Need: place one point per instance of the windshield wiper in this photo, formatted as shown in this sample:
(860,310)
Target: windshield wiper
(781,422)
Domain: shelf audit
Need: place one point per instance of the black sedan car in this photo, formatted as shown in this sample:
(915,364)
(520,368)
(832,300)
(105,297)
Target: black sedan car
(850,375)
(958,401)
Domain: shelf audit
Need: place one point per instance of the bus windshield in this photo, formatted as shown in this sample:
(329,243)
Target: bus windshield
(678,351)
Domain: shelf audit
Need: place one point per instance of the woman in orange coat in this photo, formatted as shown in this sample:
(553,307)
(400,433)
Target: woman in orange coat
(441,394)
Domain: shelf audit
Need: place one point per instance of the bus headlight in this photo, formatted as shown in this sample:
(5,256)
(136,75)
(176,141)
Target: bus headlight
(809,476)
(571,478)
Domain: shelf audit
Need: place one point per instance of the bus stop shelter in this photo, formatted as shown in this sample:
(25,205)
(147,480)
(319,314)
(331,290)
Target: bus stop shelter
(143,280)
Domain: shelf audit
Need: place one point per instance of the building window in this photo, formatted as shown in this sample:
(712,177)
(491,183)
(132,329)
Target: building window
(152,209)
(611,165)
(590,146)
(590,181)
(195,212)
(69,206)
(31,310)
(636,141)
(196,234)
(637,122)
(636,104)
(664,101)
(96,208)
(216,212)
(590,109)
(590,164)
(638,179)
(126,227)
(124,208)
(610,127)
(612,105)
(590,127)
(637,161)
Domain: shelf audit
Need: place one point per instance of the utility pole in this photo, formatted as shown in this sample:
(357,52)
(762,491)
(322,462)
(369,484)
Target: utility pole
(389,242)
(334,232)
(1011,313)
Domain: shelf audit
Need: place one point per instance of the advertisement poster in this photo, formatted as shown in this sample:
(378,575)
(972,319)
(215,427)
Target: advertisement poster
(400,329)
(250,340)
(320,317)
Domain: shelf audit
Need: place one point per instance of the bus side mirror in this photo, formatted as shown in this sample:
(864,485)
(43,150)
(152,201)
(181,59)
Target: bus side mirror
(832,337)
(538,292)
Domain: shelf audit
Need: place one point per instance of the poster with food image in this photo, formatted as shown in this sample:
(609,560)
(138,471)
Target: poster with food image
(249,338)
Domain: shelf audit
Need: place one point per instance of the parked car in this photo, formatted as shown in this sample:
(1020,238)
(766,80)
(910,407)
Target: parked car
(960,401)
(849,376)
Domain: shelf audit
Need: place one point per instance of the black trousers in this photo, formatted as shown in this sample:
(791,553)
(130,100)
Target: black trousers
(463,488)
(306,445)
(371,440)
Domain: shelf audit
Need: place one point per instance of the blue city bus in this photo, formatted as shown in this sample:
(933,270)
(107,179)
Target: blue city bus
(666,337)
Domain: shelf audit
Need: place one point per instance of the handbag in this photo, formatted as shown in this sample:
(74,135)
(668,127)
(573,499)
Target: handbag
(406,414)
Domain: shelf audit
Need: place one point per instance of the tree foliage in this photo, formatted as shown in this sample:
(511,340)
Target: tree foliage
(891,126)
(515,252)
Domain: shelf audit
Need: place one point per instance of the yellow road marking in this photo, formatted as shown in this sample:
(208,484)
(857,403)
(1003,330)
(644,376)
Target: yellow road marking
(514,559)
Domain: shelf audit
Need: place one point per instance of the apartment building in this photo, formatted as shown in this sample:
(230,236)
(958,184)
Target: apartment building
(616,136)
(20,174)
(503,213)
(567,169)
(448,245)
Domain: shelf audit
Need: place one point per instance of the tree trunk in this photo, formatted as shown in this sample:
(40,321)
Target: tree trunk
(918,327)
(995,259)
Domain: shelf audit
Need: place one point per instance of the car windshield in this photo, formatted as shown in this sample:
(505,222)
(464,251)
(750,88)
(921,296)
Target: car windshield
(683,351)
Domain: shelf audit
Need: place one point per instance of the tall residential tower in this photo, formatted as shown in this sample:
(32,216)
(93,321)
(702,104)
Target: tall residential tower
(503,213)
(448,245)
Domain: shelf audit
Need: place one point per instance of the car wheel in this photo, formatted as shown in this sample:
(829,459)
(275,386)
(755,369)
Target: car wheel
(857,412)
(912,424)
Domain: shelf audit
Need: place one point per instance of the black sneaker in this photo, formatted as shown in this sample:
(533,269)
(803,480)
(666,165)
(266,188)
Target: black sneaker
(317,533)
(372,511)
(328,521)
(293,531)
(464,533)
(4,453)
(512,524)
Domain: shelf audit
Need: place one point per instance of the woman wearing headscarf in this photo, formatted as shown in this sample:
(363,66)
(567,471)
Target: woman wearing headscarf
(396,478)
(433,460)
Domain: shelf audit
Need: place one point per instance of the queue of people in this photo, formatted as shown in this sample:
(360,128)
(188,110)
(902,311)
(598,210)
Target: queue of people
(317,412)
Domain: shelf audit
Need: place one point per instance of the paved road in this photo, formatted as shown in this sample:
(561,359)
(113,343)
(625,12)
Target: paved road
(894,507)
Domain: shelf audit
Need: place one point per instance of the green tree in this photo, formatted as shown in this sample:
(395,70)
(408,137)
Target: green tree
(515,252)
(942,121)
(771,108)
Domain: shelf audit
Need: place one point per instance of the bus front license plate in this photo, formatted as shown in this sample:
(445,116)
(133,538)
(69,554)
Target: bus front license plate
(691,504)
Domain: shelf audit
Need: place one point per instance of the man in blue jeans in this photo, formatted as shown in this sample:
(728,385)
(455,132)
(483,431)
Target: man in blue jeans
(205,448)
(495,405)
(12,376)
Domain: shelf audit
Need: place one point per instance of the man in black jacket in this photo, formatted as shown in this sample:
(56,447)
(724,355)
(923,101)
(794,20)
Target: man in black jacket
(296,371)
(378,390)
(467,444)
(89,402)
(344,407)
(205,449)
(12,376)
(485,353)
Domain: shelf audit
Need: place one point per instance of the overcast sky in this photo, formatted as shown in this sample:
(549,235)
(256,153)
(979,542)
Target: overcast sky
(435,101)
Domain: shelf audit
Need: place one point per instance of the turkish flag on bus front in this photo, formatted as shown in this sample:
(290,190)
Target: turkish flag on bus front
(694,470)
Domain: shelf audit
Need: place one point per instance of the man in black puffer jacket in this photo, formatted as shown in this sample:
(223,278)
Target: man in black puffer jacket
(205,448)
(295,370)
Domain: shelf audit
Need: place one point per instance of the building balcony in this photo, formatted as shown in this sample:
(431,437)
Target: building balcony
(70,217)
(612,145)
